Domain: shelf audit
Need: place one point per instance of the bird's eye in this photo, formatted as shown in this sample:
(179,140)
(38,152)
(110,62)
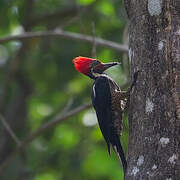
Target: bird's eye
(95,63)
(96,67)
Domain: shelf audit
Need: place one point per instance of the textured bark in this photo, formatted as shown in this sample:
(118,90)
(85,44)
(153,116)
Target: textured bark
(154,115)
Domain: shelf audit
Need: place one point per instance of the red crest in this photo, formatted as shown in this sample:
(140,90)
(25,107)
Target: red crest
(82,64)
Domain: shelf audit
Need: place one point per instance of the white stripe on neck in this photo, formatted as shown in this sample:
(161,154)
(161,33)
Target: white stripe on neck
(95,74)
(94,91)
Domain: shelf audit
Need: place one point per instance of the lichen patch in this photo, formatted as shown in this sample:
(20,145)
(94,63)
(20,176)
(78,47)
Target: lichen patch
(149,106)
(131,54)
(160,45)
(177,32)
(173,159)
(135,170)
(154,7)
(164,141)
(140,160)
(154,167)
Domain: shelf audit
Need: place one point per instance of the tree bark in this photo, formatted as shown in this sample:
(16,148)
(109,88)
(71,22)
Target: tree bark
(154,114)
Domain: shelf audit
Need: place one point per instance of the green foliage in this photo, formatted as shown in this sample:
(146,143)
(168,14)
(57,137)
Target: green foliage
(65,137)
(106,8)
(74,149)
(99,162)
(85,2)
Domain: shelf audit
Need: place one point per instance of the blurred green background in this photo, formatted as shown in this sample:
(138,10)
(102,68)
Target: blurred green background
(38,80)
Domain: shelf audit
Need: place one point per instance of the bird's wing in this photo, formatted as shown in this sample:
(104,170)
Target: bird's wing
(102,102)
(101,99)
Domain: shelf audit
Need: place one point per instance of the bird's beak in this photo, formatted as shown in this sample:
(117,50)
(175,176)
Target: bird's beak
(106,66)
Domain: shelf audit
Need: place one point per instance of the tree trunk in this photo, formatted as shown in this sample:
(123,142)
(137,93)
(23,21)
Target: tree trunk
(154,114)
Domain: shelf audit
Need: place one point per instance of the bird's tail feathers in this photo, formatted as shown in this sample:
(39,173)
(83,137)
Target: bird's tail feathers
(109,149)
(117,147)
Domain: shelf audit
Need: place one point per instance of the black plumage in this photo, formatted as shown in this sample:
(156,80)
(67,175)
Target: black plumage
(107,100)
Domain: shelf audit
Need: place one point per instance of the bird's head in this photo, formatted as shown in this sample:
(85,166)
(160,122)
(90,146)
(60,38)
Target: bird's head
(91,67)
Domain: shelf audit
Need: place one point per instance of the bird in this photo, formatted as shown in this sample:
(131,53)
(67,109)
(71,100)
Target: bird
(108,101)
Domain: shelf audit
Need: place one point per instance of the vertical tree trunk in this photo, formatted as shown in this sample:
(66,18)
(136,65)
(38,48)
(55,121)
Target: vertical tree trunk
(154,115)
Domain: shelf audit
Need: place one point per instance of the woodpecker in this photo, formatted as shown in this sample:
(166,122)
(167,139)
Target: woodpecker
(108,101)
